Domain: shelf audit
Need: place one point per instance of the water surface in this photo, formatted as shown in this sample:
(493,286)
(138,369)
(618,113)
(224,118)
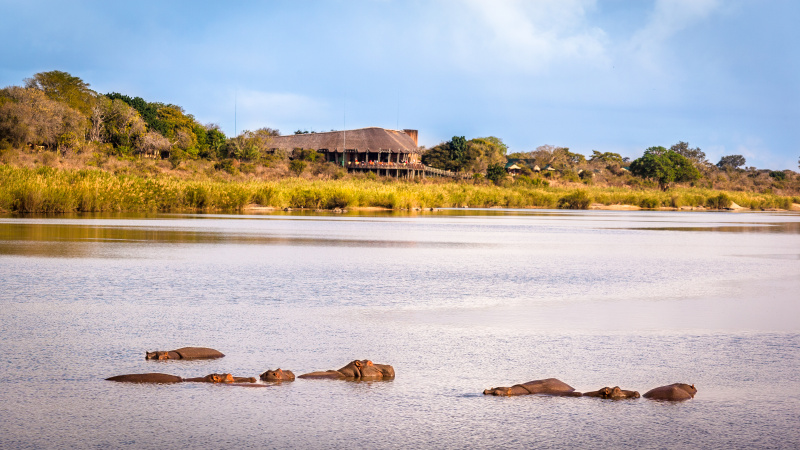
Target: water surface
(458,301)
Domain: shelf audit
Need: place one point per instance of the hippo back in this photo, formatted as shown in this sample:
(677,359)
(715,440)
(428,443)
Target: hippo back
(672,392)
(550,386)
(146,378)
(198,353)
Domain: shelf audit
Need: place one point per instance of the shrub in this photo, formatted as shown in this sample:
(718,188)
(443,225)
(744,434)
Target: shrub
(649,203)
(778,175)
(227,165)
(575,200)
(297,166)
(495,172)
(720,201)
(570,175)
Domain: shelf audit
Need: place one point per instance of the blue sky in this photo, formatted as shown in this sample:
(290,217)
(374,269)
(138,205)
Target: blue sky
(609,75)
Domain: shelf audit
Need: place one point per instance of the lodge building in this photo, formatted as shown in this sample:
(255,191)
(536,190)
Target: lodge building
(393,153)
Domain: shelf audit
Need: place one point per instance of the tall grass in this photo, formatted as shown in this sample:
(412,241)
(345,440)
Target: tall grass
(51,190)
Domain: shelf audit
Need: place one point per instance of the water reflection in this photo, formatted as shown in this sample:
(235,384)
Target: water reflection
(42,239)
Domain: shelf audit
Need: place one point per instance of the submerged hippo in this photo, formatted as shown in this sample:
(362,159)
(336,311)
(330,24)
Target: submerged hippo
(185,353)
(614,393)
(277,375)
(549,386)
(363,370)
(166,378)
(673,392)
(146,378)
(221,378)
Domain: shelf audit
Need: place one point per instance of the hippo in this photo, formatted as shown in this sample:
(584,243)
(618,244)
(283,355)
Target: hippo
(673,392)
(185,353)
(549,386)
(614,393)
(221,378)
(277,375)
(363,370)
(147,378)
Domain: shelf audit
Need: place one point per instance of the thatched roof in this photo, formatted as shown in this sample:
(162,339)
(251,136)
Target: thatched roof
(362,140)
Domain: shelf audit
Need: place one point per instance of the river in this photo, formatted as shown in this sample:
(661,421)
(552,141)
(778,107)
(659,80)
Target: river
(457,301)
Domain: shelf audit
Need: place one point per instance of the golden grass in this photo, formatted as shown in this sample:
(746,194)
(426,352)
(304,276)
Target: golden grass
(49,190)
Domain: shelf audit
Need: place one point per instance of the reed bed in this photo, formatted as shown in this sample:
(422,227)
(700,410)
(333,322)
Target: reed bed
(48,190)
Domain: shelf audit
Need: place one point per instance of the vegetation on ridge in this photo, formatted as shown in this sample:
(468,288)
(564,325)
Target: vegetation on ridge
(65,148)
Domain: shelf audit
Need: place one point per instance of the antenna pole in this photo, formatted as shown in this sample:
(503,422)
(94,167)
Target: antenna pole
(234,113)
(344,129)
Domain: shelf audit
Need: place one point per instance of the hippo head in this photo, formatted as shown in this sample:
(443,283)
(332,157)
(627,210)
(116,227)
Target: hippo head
(219,378)
(688,388)
(277,375)
(157,355)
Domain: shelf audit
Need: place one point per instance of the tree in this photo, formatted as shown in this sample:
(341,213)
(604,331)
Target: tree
(65,88)
(29,116)
(496,172)
(215,141)
(483,152)
(664,167)
(557,157)
(607,157)
(694,154)
(451,155)
(731,162)
(459,154)
(123,125)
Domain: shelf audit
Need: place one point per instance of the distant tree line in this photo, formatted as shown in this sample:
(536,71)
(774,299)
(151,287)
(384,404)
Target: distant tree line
(60,111)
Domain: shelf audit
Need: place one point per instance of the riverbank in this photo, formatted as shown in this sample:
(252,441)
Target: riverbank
(49,190)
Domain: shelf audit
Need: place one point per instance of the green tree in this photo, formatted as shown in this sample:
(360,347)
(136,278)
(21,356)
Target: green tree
(731,162)
(664,167)
(215,141)
(696,155)
(606,157)
(63,87)
(460,155)
(495,172)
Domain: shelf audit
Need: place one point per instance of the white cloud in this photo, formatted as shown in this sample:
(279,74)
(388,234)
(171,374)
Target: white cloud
(669,17)
(526,35)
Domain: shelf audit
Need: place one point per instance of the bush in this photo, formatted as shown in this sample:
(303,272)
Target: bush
(297,166)
(778,175)
(575,200)
(721,201)
(570,175)
(495,172)
(227,165)
(649,203)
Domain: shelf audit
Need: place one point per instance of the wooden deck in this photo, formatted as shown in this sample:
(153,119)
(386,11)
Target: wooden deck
(402,170)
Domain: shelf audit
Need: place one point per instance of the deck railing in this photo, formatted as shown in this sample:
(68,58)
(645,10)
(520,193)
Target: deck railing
(369,165)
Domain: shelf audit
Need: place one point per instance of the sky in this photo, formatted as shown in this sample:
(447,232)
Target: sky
(606,75)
